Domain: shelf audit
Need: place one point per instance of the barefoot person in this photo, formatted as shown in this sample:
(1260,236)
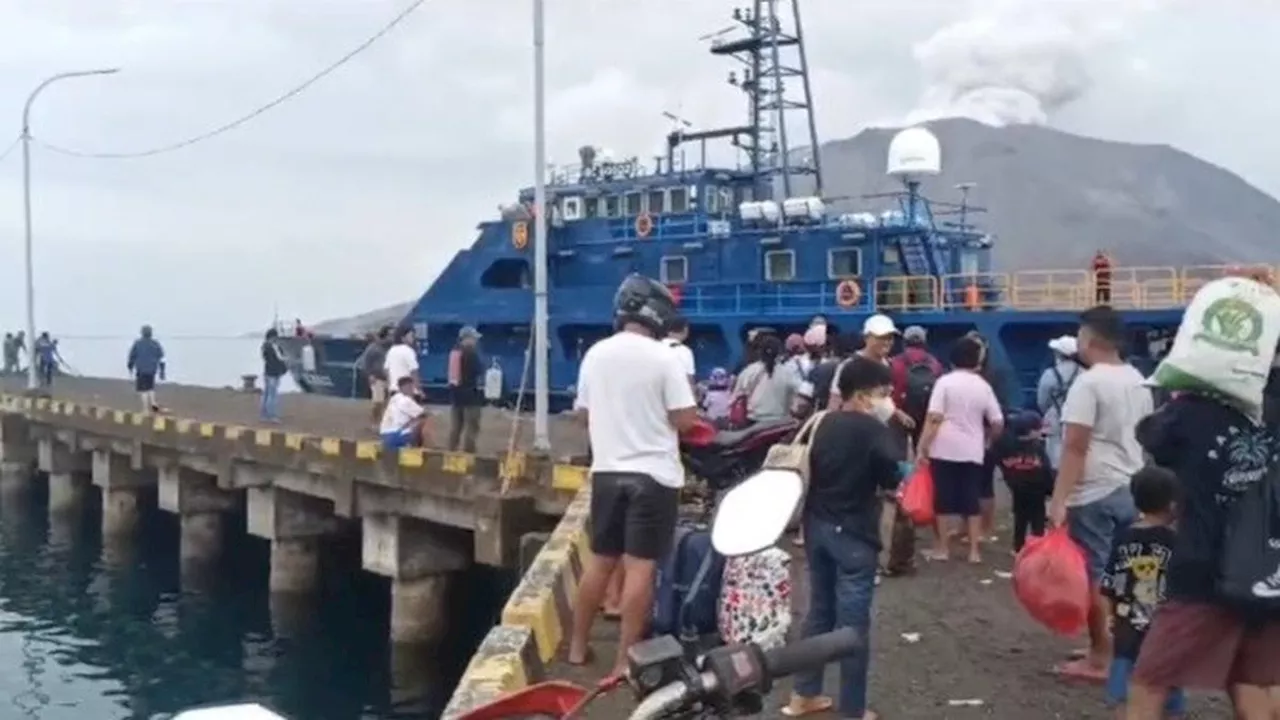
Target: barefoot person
(636,398)
(1099,455)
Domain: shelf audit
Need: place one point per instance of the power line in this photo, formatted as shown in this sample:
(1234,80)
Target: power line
(298,90)
(12,146)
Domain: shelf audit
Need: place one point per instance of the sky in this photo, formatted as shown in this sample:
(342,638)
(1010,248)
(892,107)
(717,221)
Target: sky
(355,193)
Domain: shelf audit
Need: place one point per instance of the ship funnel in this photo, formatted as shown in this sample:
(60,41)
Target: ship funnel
(587,156)
(914,153)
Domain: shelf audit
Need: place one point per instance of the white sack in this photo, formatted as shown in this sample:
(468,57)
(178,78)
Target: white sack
(1225,344)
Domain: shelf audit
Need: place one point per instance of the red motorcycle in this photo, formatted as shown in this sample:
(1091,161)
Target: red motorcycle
(724,458)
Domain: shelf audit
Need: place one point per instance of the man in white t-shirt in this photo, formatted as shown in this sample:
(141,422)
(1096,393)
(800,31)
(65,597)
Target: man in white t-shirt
(402,361)
(636,398)
(404,422)
(1100,453)
(677,336)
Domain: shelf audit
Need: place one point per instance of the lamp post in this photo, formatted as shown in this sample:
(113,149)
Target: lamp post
(32,378)
(541,356)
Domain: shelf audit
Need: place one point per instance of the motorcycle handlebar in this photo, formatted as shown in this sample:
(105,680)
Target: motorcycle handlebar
(806,654)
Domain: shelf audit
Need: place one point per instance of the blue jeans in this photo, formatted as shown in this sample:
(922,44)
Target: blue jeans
(1175,704)
(1094,526)
(842,582)
(270,398)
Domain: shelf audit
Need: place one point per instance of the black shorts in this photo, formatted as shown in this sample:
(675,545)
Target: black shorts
(632,514)
(145,382)
(988,489)
(957,487)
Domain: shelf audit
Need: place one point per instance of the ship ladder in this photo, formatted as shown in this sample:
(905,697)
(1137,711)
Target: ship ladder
(914,258)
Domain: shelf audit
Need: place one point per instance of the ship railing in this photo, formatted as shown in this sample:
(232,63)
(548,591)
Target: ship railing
(974,291)
(1050,290)
(906,293)
(1193,277)
(767,299)
(1142,288)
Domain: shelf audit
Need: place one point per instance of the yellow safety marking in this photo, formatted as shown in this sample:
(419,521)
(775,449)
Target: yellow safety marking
(233,432)
(118,416)
(458,463)
(568,477)
(293,441)
(160,423)
(28,403)
(42,403)
(262,437)
(183,425)
(101,413)
(512,466)
(55,406)
(367,450)
(137,418)
(411,458)
(69,408)
(207,429)
(330,446)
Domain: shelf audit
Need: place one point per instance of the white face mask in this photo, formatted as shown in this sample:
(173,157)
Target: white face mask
(883,409)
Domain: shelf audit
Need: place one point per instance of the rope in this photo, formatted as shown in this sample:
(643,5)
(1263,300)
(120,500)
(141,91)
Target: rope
(508,477)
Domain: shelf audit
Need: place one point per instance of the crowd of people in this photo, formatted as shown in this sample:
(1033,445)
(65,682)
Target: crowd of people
(1141,490)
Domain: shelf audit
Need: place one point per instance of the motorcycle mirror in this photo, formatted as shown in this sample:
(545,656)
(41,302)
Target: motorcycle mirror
(755,513)
(245,711)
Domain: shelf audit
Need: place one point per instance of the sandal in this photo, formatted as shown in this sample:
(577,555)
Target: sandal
(588,658)
(802,706)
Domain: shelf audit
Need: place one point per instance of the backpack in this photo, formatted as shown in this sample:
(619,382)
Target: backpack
(1249,579)
(919,386)
(687,587)
(1058,395)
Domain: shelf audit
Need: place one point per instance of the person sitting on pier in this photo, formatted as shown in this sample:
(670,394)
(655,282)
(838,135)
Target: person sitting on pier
(146,362)
(404,422)
(636,399)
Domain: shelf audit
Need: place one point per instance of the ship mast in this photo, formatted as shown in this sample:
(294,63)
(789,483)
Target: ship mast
(541,353)
(773,56)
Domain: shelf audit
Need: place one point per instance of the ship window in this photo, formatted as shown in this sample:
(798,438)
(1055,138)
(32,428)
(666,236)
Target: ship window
(572,208)
(713,200)
(844,263)
(593,207)
(890,255)
(726,200)
(632,203)
(656,202)
(507,273)
(780,265)
(674,270)
(679,199)
(744,194)
(610,206)
(968,262)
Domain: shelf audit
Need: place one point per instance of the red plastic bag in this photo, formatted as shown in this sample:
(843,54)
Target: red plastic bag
(1052,582)
(916,496)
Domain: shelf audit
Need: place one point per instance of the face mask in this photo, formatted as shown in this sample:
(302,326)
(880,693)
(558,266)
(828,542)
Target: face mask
(883,409)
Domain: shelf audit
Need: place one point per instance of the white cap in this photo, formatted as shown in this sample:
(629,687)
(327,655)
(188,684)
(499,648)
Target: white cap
(879,326)
(1065,345)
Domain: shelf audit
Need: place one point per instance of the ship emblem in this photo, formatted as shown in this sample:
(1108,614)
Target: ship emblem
(1231,324)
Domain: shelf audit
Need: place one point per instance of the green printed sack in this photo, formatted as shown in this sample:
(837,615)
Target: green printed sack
(1225,343)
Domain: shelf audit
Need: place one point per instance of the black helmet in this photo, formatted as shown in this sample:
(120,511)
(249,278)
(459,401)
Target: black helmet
(644,300)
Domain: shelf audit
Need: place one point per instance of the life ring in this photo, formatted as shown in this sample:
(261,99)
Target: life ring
(520,235)
(644,225)
(848,293)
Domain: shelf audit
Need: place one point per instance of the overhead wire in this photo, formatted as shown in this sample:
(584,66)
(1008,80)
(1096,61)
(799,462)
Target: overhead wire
(250,116)
(12,146)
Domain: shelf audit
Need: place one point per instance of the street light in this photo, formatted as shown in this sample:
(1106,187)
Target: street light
(32,378)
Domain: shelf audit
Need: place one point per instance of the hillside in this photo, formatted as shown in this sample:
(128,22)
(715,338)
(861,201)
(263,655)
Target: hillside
(1053,199)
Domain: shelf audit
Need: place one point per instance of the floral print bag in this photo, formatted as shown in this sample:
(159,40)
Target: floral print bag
(755,599)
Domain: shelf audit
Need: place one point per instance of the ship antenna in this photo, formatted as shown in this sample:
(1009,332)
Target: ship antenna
(964,189)
(773,55)
(541,391)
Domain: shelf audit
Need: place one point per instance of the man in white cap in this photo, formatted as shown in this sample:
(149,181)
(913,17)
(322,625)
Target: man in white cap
(878,334)
(1051,392)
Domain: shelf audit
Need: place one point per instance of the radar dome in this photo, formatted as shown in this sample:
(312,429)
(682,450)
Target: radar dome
(913,152)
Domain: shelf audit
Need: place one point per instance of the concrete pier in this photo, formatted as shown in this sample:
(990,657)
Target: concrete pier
(418,557)
(67,492)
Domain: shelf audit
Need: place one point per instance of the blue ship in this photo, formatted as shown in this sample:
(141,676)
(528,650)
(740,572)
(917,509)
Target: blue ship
(748,246)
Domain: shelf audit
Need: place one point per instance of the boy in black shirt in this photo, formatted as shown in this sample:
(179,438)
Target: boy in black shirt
(1024,465)
(1134,581)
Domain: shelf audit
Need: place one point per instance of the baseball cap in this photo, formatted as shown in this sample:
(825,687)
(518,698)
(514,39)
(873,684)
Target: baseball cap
(1064,345)
(879,326)
(468,331)
(915,332)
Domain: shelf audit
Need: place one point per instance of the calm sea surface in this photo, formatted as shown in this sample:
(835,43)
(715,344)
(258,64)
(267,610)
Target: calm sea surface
(118,632)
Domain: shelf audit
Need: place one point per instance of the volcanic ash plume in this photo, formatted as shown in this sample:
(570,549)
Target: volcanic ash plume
(1015,62)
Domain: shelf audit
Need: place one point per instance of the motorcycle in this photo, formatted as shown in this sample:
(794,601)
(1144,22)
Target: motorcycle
(724,458)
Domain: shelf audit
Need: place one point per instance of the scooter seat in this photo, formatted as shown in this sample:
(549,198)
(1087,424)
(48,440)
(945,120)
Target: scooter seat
(732,438)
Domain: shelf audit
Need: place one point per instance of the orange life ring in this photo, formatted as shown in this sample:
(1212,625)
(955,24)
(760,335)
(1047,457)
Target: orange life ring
(848,293)
(520,235)
(644,225)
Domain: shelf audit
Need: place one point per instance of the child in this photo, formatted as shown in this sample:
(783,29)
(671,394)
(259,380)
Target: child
(1024,465)
(1134,580)
(719,396)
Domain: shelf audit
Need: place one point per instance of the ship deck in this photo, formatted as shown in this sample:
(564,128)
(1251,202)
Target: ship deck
(975,644)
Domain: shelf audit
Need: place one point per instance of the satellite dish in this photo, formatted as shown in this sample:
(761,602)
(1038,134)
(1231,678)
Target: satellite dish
(914,152)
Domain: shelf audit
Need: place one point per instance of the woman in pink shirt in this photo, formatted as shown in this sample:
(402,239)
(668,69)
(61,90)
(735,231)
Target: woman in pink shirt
(963,418)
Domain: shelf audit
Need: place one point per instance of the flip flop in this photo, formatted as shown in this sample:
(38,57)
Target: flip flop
(1080,671)
(799,707)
